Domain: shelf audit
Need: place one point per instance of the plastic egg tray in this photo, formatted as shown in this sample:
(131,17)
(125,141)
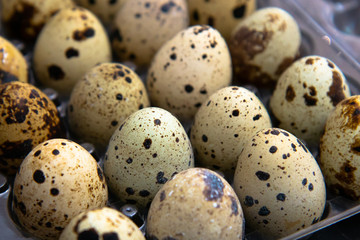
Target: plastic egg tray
(330,28)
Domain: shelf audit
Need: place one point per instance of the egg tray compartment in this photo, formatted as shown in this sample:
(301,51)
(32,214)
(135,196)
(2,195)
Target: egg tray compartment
(332,34)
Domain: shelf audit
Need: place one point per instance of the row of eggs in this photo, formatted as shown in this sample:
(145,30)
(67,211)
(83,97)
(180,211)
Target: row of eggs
(139,146)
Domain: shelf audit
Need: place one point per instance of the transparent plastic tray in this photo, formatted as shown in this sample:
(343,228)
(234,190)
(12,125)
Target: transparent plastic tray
(330,28)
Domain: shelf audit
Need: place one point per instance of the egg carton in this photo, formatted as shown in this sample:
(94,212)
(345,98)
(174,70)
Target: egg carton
(329,28)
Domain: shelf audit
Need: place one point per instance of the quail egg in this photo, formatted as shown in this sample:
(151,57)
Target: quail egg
(188,69)
(102,99)
(147,149)
(13,66)
(24,19)
(305,95)
(28,117)
(340,148)
(141,27)
(279,184)
(222,15)
(222,126)
(263,45)
(196,204)
(57,180)
(104,223)
(70,44)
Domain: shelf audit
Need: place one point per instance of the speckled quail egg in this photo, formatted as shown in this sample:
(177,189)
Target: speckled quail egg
(305,95)
(104,9)
(70,44)
(188,69)
(24,19)
(196,204)
(222,15)
(279,184)
(58,180)
(28,117)
(141,27)
(101,101)
(340,148)
(222,126)
(13,66)
(144,153)
(104,223)
(263,45)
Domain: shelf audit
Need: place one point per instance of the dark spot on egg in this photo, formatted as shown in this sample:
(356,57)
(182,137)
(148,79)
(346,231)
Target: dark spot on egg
(310,100)
(309,61)
(336,91)
(81,35)
(213,186)
(89,234)
(304,182)
(235,112)
(37,153)
(144,193)
(129,160)
(256,117)
(54,191)
(189,88)
(330,64)
(110,236)
(290,93)
(204,138)
(234,207)
(160,179)
(239,12)
(165,8)
(130,191)
(273,149)
(157,122)
(34,94)
(114,123)
(71,52)
(39,176)
(263,176)
(147,143)
(55,72)
(55,152)
(173,56)
(281,197)
(119,96)
(311,187)
(162,196)
(22,208)
(264,211)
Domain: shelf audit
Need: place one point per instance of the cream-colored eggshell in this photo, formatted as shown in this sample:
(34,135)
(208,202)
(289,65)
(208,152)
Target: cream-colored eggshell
(25,18)
(143,26)
(105,222)
(196,204)
(100,102)
(263,45)
(103,9)
(28,117)
(71,43)
(279,184)
(305,95)
(222,15)
(222,126)
(188,69)
(13,66)
(58,180)
(147,150)
(340,148)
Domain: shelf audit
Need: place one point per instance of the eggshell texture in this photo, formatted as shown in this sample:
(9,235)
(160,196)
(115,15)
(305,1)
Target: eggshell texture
(101,101)
(340,148)
(196,204)
(279,184)
(105,10)
(143,26)
(144,153)
(188,69)
(222,15)
(28,117)
(58,180)
(24,19)
(70,44)
(305,95)
(263,45)
(106,222)
(222,126)
(13,66)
